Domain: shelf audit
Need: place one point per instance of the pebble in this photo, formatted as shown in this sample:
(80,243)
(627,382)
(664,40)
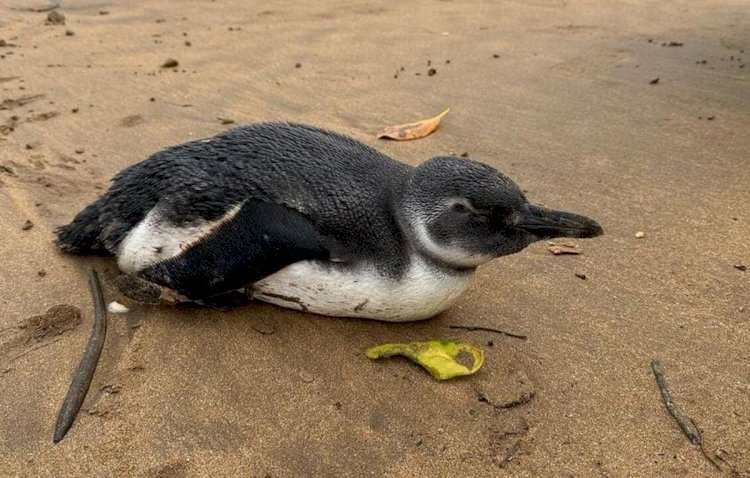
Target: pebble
(117,308)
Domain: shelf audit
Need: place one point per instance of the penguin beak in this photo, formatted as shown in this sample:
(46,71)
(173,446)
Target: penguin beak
(548,223)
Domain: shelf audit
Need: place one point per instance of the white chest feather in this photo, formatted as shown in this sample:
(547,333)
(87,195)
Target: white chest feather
(423,292)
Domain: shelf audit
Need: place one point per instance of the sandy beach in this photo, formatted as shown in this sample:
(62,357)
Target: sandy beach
(634,113)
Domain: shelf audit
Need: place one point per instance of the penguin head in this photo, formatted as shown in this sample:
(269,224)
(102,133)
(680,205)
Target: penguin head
(464,213)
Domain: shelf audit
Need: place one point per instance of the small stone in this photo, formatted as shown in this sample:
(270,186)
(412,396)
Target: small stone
(581,276)
(27,225)
(103,12)
(170,63)
(710,118)
(431,72)
(79,150)
(41,273)
(298,65)
(69,33)
(188,43)
(654,81)
(223,120)
(740,267)
(55,18)
(640,234)
(74,110)
(117,308)
(495,56)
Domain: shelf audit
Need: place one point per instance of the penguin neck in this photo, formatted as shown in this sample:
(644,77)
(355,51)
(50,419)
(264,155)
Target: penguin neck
(416,236)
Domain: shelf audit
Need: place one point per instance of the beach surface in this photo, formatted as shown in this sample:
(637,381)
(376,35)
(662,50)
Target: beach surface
(634,113)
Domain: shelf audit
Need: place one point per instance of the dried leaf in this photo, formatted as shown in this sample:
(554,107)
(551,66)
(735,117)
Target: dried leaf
(420,129)
(563,248)
(437,356)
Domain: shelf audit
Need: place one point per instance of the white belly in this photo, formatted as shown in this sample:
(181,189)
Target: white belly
(423,292)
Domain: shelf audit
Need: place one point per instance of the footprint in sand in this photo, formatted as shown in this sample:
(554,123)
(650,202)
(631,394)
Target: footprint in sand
(36,332)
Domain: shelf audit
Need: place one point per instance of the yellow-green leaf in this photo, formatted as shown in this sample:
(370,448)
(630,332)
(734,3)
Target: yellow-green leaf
(437,356)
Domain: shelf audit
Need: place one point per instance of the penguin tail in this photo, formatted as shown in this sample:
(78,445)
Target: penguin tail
(83,235)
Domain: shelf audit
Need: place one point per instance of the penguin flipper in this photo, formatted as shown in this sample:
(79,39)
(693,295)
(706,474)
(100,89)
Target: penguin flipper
(259,240)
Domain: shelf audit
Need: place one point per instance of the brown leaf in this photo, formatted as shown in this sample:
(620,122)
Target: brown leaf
(420,129)
(563,248)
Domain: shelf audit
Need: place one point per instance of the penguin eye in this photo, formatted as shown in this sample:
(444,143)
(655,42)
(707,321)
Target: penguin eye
(459,207)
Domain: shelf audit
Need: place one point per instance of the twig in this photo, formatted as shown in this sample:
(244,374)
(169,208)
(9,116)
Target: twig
(720,455)
(709,456)
(86,368)
(28,351)
(525,398)
(181,105)
(686,424)
(472,328)
(511,453)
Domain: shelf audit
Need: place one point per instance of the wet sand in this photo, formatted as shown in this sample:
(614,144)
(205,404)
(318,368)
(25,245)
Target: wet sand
(559,96)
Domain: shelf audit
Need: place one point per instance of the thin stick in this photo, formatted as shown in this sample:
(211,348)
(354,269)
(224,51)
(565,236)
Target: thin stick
(85,371)
(28,351)
(511,453)
(686,424)
(488,329)
(710,456)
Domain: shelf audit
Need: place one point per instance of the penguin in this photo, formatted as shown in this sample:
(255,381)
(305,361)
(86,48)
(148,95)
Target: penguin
(309,219)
